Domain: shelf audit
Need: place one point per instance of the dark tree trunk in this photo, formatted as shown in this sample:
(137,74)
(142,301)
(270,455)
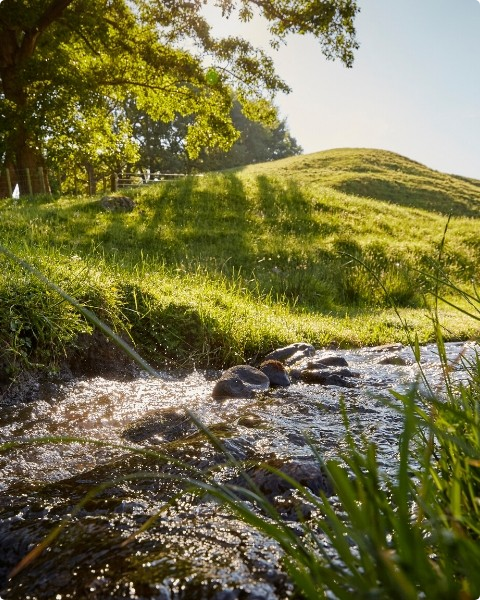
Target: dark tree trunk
(30,169)
(92,180)
(113,182)
(23,150)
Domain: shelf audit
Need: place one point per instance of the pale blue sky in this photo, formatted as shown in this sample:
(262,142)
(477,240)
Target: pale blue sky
(414,87)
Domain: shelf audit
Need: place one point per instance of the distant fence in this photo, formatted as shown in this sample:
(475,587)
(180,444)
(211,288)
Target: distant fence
(23,181)
(30,182)
(126,180)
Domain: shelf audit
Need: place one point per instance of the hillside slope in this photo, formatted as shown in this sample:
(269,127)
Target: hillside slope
(218,269)
(381,175)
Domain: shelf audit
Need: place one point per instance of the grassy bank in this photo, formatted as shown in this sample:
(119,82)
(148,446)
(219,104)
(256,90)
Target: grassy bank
(219,269)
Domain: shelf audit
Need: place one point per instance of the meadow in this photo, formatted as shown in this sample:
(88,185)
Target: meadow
(221,268)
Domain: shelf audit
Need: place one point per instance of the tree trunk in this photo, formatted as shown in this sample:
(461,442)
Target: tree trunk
(23,149)
(92,180)
(113,182)
(30,170)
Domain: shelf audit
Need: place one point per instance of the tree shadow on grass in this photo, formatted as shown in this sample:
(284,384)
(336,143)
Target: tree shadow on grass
(289,210)
(191,221)
(414,194)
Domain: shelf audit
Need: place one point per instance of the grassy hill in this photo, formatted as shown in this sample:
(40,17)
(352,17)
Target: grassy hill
(383,175)
(221,268)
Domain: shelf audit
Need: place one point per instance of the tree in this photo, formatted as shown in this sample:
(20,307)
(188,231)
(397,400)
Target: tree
(70,64)
(257,142)
(162,146)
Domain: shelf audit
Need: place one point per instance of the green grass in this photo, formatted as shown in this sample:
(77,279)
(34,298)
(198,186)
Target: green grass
(382,175)
(218,269)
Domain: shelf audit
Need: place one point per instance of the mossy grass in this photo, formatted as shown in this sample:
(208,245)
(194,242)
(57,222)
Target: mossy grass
(219,269)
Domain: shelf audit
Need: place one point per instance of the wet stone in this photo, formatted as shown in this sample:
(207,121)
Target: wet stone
(392,359)
(326,377)
(292,353)
(131,507)
(242,381)
(250,421)
(307,473)
(275,372)
(295,358)
(239,448)
(160,426)
(386,348)
(293,507)
(331,360)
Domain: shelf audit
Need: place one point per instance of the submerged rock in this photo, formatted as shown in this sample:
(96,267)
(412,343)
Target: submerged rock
(160,426)
(242,381)
(392,359)
(326,377)
(251,421)
(308,473)
(387,347)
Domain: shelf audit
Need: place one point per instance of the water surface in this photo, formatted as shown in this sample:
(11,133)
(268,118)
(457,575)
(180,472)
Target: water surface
(196,549)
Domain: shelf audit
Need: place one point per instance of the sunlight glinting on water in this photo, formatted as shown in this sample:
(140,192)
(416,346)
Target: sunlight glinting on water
(103,410)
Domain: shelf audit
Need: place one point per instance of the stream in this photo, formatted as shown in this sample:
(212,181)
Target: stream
(194,548)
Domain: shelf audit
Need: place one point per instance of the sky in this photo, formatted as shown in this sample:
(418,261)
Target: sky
(414,87)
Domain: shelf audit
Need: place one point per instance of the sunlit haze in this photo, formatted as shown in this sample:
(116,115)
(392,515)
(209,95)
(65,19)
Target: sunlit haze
(414,87)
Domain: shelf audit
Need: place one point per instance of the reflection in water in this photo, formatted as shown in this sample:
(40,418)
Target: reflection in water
(40,483)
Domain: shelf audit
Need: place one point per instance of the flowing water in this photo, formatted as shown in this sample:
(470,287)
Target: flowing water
(194,548)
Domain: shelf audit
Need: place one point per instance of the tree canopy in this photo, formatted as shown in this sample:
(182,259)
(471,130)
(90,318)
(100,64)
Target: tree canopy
(162,146)
(67,67)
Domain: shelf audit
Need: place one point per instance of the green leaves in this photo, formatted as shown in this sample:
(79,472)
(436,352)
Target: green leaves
(212,77)
(70,65)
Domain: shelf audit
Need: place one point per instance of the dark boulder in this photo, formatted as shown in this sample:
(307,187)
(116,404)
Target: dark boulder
(242,381)
(275,372)
(326,377)
(329,360)
(292,353)
(117,204)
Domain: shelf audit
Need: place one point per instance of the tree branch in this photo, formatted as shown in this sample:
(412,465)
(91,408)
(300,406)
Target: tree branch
(53,12)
